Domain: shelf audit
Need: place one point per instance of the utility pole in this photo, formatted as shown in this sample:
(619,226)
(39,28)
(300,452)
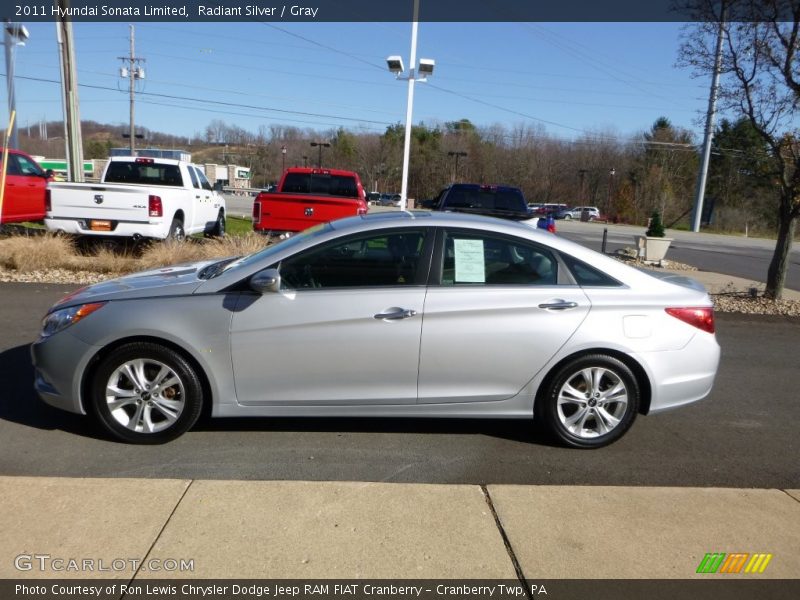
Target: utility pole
(132,72)
(69,89)
(709,133)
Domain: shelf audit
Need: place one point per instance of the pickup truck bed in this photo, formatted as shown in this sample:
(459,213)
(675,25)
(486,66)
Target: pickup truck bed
(305,203)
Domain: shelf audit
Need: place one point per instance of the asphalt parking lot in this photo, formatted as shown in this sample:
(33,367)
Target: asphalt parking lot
(743,435)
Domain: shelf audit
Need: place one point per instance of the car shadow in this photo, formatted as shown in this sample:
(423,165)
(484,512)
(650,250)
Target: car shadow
(515,430)
(22,405)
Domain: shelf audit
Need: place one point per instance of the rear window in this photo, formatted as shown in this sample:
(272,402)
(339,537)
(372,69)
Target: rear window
(486,198)
(143,173)
(320,183)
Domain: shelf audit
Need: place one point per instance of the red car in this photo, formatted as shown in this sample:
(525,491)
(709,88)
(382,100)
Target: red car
(25,189)
(307,197)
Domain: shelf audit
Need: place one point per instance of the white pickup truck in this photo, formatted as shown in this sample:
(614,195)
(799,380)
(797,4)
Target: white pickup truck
(138,198)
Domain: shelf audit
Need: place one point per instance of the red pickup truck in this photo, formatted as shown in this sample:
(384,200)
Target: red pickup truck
(25,190)
(306,197)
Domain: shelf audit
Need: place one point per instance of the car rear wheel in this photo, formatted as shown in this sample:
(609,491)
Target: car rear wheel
(568,217)
(590,402)
(218,229)
(145,393)
(176,231)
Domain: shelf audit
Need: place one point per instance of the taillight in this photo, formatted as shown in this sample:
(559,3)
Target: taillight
(256,211)
(700,317)
(154,206)
(48,203)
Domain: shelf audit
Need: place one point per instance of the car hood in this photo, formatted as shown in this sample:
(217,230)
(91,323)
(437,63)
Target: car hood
(176,280)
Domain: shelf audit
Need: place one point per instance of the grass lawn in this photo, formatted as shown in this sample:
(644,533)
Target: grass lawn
(238,226)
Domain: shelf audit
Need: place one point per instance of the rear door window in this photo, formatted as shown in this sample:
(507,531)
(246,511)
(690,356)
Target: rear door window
(487,259)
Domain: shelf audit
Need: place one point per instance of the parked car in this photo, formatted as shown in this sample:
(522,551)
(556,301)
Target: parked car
(306,197)
(576,212)
(373,197)
(412,314)
(544,210)
(25,188)
(138,197)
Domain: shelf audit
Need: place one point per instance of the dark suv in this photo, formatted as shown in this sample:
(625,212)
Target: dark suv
(490,200)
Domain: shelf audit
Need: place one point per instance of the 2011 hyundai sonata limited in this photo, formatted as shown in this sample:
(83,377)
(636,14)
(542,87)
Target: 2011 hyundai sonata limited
(391,315)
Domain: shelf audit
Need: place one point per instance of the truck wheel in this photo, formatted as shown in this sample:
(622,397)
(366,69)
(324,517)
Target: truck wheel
(145,393)
(176,231)
(218,230)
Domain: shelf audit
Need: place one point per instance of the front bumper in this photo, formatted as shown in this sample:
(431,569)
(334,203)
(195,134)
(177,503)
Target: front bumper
(59,363)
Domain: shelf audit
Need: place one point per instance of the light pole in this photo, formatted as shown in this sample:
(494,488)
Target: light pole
(455,169)
(283,159)
(15,35)
(320,145)
(611,174)
(426,65)
(581,194)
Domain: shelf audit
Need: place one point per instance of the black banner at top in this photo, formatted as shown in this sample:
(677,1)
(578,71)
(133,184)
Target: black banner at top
(393,10)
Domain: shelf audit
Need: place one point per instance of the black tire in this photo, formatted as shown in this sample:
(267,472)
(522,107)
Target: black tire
(168,411)
(176,231)
(218,230)
(595,420)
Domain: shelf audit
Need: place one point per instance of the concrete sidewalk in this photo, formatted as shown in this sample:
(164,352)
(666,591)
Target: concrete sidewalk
(265,529)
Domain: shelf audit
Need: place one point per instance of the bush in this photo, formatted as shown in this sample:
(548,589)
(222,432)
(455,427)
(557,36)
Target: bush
(656,228)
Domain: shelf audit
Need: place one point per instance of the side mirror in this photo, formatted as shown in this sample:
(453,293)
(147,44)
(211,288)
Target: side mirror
(268,280)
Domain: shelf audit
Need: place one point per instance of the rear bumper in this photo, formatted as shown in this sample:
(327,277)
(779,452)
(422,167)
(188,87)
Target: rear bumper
(158,228)
(682,376)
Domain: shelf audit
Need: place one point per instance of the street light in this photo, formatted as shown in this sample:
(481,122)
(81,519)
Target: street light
(15,35)
(611,174)
(395,65)
(455,169)
(283,159)
(320,145)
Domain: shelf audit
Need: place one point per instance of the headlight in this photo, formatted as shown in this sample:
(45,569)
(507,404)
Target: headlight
(60,319)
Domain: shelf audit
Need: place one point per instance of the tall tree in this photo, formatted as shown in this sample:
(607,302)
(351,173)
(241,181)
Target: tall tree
(760,80)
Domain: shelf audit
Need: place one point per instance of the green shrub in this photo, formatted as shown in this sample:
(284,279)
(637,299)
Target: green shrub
(656,228)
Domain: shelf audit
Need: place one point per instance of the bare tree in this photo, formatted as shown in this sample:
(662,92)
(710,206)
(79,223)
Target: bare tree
(760,79)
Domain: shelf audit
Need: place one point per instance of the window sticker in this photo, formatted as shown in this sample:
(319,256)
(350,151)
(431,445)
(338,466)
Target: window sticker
(470,261)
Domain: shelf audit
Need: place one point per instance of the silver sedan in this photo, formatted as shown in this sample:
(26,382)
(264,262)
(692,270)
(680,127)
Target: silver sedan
(389,315)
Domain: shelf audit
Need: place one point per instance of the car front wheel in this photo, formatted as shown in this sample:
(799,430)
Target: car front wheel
(590,402)
(144,393)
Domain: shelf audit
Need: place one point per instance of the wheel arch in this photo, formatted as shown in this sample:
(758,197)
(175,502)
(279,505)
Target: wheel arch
(91,367)
(179,216)
(645,387)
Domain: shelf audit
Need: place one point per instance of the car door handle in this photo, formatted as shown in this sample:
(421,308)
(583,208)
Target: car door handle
(393,314)
(558,305)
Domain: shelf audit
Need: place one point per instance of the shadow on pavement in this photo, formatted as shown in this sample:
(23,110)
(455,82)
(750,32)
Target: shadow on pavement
(20,404)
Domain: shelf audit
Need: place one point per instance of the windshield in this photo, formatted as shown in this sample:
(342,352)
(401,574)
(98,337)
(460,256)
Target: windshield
(294,240)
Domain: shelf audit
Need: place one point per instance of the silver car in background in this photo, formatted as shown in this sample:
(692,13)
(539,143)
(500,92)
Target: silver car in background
(388,315)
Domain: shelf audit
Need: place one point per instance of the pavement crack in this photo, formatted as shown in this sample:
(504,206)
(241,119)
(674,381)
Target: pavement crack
(790,496)
(506,542)
(158,537)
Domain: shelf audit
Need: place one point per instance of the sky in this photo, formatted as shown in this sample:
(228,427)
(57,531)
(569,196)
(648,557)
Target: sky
(568,78)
